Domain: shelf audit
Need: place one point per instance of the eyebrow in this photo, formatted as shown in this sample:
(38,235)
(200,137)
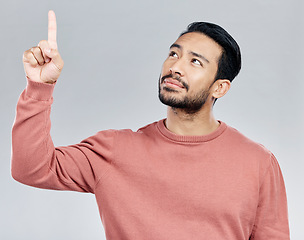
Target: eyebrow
(175,45)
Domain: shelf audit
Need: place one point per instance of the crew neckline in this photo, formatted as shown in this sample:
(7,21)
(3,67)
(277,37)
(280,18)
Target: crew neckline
(190,139)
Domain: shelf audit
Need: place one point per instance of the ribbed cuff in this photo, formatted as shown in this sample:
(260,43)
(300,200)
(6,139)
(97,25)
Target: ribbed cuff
(39,91)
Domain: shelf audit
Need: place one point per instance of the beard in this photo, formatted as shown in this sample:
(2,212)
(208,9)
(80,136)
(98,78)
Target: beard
(189,104)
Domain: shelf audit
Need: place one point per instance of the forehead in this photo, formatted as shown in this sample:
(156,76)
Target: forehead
(201,44)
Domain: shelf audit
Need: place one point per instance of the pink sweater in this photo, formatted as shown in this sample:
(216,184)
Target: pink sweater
(153,184)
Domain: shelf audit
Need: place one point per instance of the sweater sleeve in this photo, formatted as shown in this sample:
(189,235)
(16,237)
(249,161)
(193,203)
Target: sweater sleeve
(35,160)
(271,221)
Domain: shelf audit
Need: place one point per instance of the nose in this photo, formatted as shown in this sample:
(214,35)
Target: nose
(177,68)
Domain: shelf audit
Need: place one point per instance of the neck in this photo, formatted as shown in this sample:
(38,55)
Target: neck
(196,124)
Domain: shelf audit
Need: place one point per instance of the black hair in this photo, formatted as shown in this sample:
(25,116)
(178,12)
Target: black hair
(229,64)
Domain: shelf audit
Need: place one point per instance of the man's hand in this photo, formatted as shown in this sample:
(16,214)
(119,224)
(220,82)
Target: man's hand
(43,63)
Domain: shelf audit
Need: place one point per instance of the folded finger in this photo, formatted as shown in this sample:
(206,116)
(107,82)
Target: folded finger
(28,57)
(38,55)
(44,45)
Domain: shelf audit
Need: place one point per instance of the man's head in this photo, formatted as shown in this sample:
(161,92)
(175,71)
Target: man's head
(201,64)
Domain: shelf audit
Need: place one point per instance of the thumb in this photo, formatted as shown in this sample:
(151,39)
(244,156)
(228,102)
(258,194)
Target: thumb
(54,57)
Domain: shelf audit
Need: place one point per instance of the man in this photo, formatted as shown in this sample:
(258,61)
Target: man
(188,176)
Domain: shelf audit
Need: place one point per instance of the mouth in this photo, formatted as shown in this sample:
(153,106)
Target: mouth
(170,82)
(173,82)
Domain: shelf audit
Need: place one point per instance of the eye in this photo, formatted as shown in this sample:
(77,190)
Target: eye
(173,54)
(196,62)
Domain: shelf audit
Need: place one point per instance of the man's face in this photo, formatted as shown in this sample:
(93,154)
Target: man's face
(189,71)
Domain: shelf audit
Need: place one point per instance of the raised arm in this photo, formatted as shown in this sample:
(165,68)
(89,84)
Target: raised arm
(35,160)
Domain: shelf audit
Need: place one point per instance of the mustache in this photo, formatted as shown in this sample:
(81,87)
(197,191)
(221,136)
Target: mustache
(176,77)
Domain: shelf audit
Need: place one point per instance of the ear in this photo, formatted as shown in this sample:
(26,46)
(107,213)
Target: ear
(221,87)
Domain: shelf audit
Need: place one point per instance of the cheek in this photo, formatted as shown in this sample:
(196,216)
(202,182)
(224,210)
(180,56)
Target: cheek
(203,78)
(212,72)
(197,78)
(165,70)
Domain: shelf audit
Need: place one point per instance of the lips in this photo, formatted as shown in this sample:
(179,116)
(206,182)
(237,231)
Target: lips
(173,83)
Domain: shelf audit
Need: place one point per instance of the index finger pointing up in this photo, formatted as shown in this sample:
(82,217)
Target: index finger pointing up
(52,30)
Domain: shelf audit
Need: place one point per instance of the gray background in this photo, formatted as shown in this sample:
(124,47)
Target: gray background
(113,52)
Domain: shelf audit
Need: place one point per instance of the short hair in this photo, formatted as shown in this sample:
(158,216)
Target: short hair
(229,64)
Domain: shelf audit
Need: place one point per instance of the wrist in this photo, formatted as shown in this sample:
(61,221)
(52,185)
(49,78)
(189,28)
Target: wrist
(39,90)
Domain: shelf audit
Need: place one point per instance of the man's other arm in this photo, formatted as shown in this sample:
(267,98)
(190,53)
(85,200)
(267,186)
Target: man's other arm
(271,221)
